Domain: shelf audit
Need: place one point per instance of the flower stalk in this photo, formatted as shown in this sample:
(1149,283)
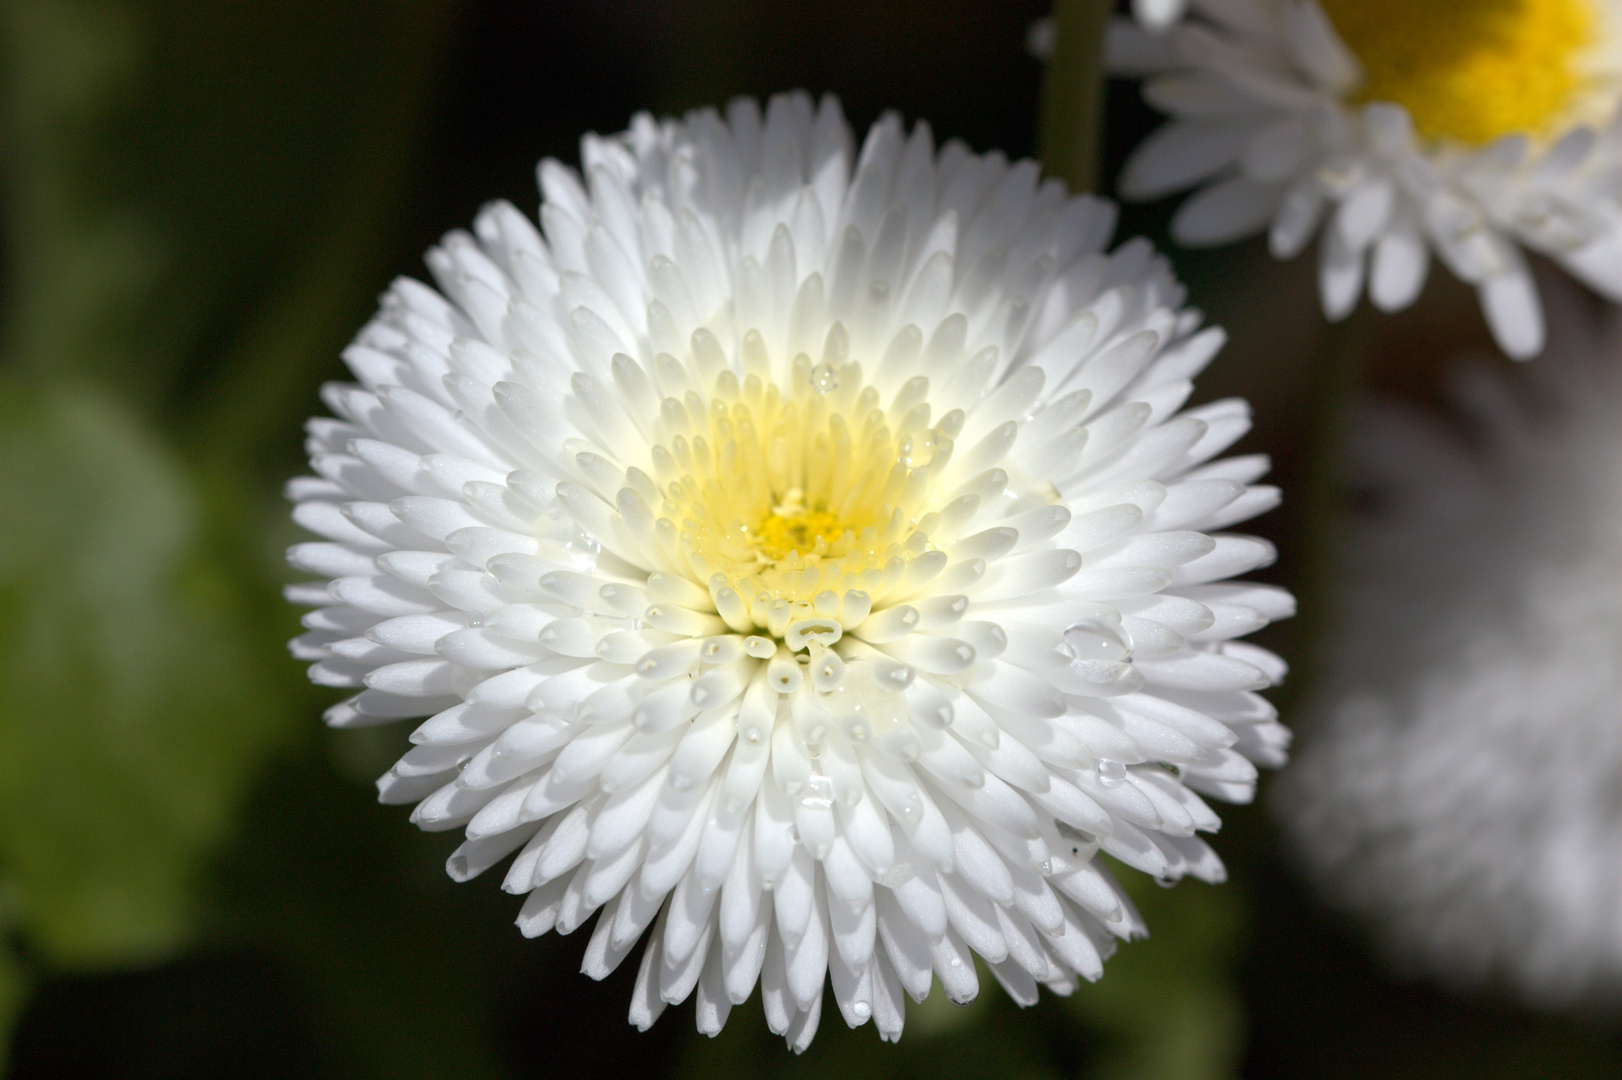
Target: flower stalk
(1071,118)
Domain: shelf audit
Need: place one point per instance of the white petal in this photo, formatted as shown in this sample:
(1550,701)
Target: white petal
(1514,313)
(1401,261)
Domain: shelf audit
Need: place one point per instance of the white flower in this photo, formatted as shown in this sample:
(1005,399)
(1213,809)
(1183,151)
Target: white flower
(1159,14)
(1461,787)
(806,562)
(1403,127)
(1155,15)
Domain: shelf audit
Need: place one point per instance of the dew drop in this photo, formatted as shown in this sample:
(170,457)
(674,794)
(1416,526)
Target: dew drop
(824,380)
(818,793)
(895,679)
(1111,773)
(861,1010)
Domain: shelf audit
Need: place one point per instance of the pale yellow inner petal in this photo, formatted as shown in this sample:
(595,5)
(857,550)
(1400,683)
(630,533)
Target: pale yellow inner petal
(1470,71)
(791,492)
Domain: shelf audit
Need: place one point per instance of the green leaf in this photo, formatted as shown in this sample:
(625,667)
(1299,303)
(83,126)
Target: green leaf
(196,195)
(1169,1005)
(135,707)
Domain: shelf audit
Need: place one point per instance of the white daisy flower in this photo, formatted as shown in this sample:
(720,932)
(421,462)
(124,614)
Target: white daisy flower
(1402,128)
(1460,788)
(1159,14)
(804,559)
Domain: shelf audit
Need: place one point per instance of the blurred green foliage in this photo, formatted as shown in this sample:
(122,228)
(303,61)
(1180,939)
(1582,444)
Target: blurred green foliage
(188,219)
(136,707)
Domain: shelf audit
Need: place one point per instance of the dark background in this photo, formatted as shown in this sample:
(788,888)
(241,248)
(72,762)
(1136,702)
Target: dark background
(201,202)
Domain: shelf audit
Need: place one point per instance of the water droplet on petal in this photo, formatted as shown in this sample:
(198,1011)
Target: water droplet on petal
(1111,773)
(824,380)
(819,793)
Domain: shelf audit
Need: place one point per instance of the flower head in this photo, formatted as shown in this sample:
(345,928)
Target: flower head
(1459,786)
(1402,129)
(803,557)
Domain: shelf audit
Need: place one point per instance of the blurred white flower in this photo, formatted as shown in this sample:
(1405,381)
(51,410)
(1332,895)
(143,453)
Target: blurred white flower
(1402,127)
(1159,14)
(1462,783)
(802,555)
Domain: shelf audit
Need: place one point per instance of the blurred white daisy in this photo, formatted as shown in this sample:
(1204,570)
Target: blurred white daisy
(1159,14)
(804,558)
(1403,128)
(1462,786)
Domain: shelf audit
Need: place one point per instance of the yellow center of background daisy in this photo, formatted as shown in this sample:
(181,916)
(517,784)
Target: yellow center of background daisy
(802,493)
(1469,71)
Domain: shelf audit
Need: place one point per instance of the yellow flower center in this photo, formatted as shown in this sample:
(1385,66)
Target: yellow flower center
(1470,71)
(792,526)
(801,495)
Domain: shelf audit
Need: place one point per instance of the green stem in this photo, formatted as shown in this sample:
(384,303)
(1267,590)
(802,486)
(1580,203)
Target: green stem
(1338,378)
(1072,110)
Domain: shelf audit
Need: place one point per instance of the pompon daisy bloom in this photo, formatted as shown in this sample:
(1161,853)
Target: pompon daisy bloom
(1394,129)
(803,561)
(1459,785)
